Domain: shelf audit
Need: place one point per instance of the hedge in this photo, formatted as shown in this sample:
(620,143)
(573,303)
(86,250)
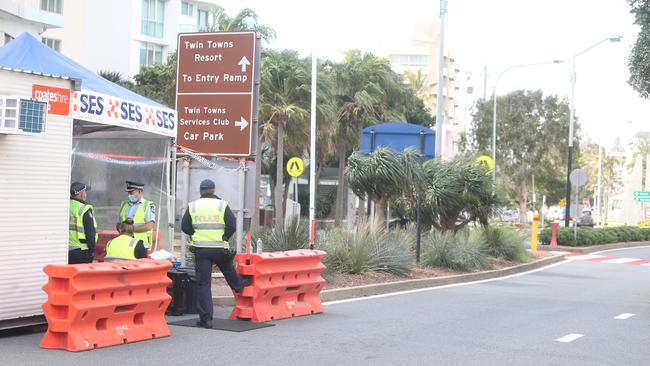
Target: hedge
(594,236)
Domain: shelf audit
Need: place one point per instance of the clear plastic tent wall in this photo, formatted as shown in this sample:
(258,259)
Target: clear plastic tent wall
(105,160)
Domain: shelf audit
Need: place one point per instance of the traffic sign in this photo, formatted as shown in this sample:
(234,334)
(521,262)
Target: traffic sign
(215,91)
(578,177)
(486,162)
(641,196)
(295,167)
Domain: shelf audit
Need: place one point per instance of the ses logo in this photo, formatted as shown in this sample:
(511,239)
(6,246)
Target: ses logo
(126,111)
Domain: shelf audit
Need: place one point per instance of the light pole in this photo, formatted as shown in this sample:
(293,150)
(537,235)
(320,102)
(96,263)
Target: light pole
(441,74)
(615,38)
(494,112)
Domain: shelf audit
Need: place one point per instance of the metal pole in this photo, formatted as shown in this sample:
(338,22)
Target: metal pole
(441,66)
(174,172)
(186,196)
(418,229)
(600,171)
(243,168)
(494,133)
(575,221)
(570,154)
(312,155)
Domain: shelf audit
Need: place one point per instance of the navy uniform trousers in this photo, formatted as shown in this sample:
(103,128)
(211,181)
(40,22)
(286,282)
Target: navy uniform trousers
(203,260)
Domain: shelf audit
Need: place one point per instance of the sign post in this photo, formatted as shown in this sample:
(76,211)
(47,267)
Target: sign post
(217,79)
(215,92)
(578,178)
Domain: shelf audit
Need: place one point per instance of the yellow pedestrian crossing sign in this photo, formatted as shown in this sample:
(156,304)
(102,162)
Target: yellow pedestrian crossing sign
(486,162)
(295,167)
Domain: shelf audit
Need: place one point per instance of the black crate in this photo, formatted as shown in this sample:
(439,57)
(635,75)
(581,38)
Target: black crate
(178,291)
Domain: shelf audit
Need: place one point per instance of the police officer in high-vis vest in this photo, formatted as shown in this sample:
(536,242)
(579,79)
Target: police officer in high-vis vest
(140,210)
(210,223)
(82,235)
(125,246)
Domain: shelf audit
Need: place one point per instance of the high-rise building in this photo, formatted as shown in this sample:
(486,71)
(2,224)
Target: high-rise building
(123,35)
(420,59)
(33,16)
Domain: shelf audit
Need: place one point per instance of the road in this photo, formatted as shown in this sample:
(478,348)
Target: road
(560,315)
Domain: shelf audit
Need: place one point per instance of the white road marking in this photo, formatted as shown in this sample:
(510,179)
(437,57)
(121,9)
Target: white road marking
(620,260)
(624,316)
(586,257)
(335,302)
(646,264)
(614,250)
(570,338)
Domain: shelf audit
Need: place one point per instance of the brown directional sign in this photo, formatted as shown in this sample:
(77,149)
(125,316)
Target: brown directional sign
(214,92)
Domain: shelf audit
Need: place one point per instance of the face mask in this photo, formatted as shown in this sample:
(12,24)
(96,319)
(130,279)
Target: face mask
(132,198)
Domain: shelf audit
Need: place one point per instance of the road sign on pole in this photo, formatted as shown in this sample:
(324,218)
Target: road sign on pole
(295,166)
(640,196)
(214,92)
(578,177)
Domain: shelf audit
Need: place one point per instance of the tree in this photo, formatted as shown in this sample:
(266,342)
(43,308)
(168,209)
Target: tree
(117,78)
(639,61)
(158,82)
(531,139)
(245,19)
(381,175)
(367,91)
(456,193)
(609,177)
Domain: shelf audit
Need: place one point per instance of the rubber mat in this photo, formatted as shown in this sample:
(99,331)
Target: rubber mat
(224,324)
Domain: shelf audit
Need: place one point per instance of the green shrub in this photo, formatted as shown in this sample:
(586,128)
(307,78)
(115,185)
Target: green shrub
(595,236)
(369,249)
(461,251)
(293,236)
(503,242)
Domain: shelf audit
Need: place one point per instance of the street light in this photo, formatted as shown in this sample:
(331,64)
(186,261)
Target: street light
(614,38)
(494,112)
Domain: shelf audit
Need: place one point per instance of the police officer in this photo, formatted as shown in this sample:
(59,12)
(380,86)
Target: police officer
(125,246)
(140,210)
(210,223)
(82,235)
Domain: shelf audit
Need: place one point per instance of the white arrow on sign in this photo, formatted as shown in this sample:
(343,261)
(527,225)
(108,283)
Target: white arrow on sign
(241,124)
(244,62)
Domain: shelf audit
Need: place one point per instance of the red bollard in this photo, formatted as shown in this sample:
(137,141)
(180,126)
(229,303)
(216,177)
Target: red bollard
(554,226)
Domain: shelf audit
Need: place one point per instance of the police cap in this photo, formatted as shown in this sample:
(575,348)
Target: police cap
(78,187)
(207,184)
(130,185)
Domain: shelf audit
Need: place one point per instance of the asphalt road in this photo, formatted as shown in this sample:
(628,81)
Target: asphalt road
(562,315)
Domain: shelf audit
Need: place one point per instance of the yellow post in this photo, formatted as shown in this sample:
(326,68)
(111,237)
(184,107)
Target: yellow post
(533,240)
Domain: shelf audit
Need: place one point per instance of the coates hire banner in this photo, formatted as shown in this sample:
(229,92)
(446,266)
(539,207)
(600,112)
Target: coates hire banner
(109,110)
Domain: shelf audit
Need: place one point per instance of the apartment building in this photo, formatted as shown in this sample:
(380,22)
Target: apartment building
(122,35)
(33,16)
(421,55)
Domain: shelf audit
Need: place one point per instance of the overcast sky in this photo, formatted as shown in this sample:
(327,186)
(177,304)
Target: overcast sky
(496,33)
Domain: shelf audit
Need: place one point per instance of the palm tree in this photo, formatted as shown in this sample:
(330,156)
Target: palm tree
(117,78)
(420,85)
(641,149)
(284,102)
(245,19)
(367,91)
(381,175)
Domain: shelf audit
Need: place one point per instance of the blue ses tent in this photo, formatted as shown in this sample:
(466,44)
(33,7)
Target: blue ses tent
(117,134)
(98,100)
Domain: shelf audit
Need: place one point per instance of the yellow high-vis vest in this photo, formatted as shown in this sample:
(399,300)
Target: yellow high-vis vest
(122,247)
(76,231)
(139,219)
(208,221)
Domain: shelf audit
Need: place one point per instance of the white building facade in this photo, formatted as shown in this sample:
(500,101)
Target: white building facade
(123,35)
(422,56)
(33,16)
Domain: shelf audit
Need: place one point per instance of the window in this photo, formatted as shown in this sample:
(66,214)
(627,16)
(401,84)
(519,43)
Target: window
(153,15)
(150,54)
(53,6)
(187,9)
(203,20)
(32,115)
(24,115)
(54,44)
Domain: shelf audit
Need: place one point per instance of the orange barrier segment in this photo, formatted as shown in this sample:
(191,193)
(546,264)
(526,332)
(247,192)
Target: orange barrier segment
(284,285)
(104,304)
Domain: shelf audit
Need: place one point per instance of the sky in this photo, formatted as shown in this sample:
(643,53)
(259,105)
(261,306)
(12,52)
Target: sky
(495,34)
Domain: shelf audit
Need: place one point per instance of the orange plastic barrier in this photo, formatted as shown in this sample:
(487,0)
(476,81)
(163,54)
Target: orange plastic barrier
(284,285)
(104,304)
